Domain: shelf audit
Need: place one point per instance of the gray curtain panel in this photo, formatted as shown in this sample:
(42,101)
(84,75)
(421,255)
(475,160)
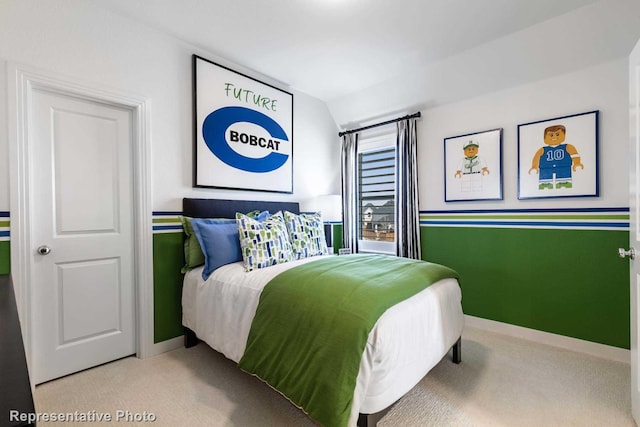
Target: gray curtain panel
(349,192)
(407,213)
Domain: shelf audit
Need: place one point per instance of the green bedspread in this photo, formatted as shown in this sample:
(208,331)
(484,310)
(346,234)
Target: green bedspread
(312,324)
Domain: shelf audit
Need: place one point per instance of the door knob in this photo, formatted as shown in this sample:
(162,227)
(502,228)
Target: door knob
(44,250)
(631,253)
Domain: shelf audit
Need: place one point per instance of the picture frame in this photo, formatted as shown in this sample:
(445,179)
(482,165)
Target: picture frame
(473,166)
(243,131)
(558,157)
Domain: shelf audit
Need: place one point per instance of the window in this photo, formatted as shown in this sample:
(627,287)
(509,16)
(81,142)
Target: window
(376,195)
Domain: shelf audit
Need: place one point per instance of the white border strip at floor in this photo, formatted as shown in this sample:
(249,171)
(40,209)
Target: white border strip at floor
(568,343)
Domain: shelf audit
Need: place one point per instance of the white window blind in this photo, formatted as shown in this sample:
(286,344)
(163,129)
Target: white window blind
(376,200)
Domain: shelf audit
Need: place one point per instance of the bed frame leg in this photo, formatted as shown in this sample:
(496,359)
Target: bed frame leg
(190,338)
(370,420)
(457,351)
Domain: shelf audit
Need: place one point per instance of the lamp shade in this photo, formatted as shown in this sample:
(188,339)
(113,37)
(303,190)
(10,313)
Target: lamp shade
(329,205)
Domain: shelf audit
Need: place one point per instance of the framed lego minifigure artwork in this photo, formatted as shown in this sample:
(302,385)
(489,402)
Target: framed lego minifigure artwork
(473,166)
(559,157)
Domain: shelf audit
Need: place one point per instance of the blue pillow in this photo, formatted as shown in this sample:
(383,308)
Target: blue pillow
(219,241)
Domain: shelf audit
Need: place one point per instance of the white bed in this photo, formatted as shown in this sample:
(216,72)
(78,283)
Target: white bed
(408,340)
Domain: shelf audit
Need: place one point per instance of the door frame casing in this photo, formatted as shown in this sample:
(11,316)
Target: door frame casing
(634,223)
(22,80)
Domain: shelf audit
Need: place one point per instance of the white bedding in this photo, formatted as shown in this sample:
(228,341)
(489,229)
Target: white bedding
(407,341)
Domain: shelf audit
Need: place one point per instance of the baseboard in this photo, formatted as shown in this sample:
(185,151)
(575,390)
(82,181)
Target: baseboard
(164,346)
(569,343)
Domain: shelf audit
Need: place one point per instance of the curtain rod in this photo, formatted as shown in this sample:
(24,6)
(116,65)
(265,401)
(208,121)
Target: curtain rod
(409,116)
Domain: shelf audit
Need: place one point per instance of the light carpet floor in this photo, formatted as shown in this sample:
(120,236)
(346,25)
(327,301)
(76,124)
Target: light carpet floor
(502,381)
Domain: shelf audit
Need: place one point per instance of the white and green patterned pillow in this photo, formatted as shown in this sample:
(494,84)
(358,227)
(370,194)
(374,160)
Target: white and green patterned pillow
(263,243)
(306,232)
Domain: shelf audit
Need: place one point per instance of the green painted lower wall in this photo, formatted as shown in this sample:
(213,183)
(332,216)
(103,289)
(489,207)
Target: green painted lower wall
(168,259)
(5,257)
(567,282)
(337,237)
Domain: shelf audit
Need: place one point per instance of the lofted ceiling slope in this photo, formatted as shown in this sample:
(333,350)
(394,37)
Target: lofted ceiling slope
(331,48)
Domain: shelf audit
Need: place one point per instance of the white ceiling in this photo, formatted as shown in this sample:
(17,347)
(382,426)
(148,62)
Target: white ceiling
(330,48)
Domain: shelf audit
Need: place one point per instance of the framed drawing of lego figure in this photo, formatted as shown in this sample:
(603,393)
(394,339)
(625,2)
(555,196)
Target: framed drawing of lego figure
(473,166)
(559,157)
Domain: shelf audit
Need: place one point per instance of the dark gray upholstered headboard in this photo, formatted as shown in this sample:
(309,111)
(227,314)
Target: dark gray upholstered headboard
(221,208)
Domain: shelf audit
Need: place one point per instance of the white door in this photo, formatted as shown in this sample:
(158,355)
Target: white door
(634,236)
(82,233)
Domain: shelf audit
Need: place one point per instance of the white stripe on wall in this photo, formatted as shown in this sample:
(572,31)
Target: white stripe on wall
(571,219)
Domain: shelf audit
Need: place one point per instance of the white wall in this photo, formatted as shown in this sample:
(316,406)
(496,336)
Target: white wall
(4,146)
(595,34)
(603,87)
(74,39)
(573,63)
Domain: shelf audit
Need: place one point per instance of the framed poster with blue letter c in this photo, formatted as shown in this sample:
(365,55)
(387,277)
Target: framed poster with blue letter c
(243,138)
